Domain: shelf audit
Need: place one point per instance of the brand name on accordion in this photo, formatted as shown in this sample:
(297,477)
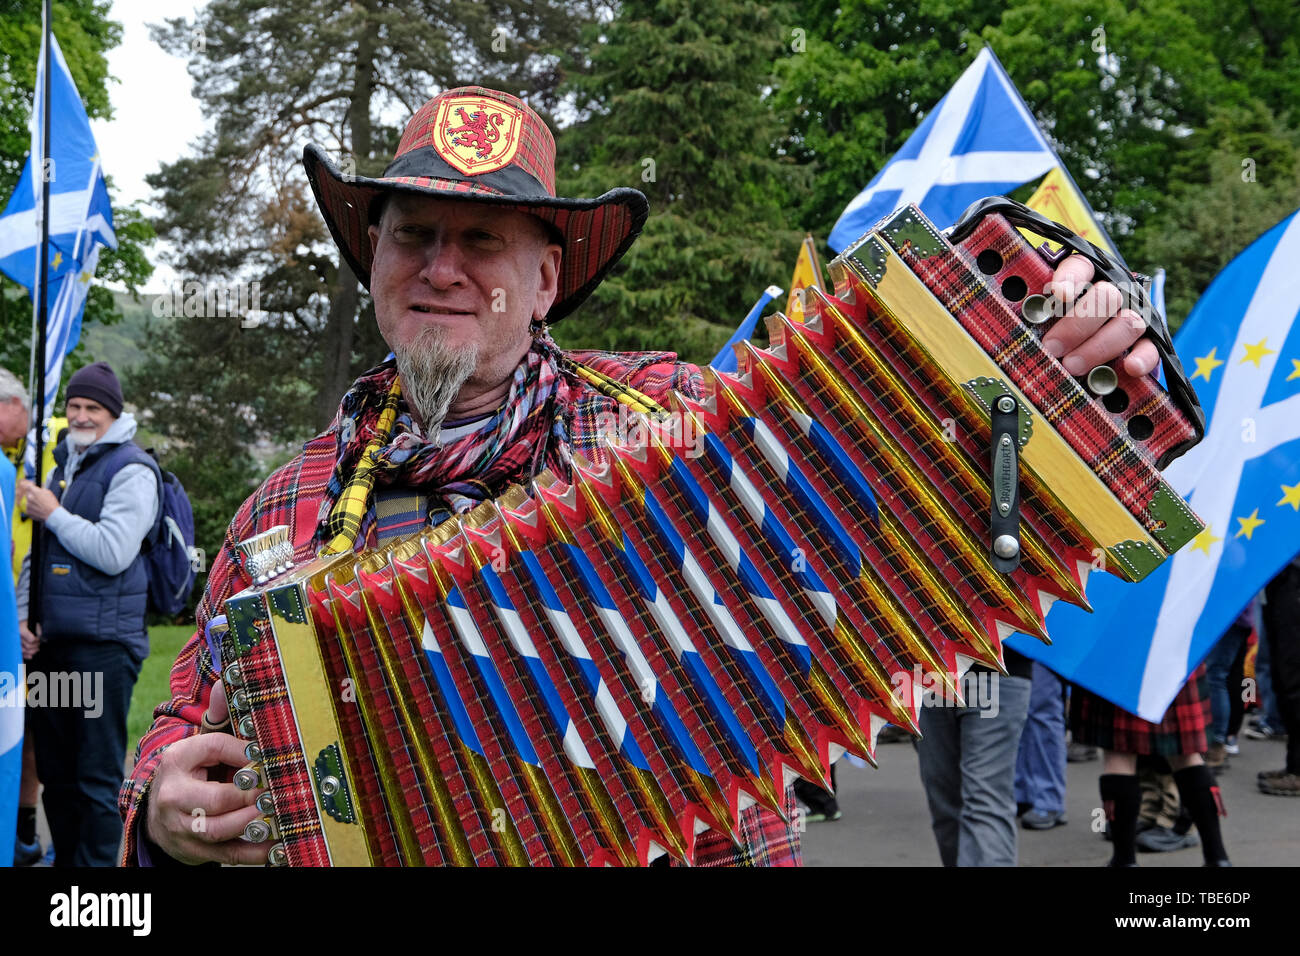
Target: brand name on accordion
(979,690)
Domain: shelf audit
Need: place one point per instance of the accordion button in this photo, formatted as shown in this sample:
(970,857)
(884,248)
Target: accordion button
(1102,380)
(1036,309)
(253,752)
(248,778)
(257,832)
(278,856)
(329,786)
(246,728)
(266,803)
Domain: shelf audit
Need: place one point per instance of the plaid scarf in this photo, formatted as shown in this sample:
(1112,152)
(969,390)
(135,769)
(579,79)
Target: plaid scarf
(381,443)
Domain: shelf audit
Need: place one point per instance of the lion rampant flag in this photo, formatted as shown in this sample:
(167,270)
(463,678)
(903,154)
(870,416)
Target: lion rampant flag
(1058,200)
(807,272)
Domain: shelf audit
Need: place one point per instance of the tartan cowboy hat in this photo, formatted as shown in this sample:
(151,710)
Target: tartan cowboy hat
(473,143)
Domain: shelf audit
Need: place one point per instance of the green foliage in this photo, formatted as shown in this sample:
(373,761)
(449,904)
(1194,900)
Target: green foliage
(675,104)
(213,393)
(1242,178)
(1118,88)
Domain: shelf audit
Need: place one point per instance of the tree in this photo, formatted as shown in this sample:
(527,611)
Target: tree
(1241,179)
(85,35)
(673,101)
(1118,88)
(868,73)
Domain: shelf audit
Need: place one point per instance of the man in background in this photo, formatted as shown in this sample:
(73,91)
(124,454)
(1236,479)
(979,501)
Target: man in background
(100,503)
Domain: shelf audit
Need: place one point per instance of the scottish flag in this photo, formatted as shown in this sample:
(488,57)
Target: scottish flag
(81,219)
(1143,640)
(981,140)
(11,681)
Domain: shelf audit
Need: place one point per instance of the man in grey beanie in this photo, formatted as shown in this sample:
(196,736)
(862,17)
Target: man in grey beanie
(97,508)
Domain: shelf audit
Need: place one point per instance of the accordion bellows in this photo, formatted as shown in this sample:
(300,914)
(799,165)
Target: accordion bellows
(595,671)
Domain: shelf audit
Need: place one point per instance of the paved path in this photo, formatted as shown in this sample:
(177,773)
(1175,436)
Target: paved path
(886,821)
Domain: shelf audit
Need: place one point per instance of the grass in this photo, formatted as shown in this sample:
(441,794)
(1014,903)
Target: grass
(154,685)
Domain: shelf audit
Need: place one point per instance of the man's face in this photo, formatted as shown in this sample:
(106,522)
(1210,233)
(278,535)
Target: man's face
(87,421)
(13,421)
(477,273)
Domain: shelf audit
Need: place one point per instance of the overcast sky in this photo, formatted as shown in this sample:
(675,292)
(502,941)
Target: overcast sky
(155,117)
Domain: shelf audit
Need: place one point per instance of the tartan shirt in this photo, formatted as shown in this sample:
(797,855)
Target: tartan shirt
(296,495)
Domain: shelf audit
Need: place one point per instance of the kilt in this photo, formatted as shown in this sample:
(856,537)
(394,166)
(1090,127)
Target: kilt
(1099,723)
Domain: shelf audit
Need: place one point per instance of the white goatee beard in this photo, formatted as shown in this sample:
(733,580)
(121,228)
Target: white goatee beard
(82,437)
(432,375)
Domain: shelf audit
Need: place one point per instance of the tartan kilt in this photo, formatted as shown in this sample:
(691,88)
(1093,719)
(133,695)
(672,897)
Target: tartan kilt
(1099,723)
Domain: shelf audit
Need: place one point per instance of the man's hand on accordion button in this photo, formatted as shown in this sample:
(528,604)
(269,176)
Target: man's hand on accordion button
(1095,329)
(193,817)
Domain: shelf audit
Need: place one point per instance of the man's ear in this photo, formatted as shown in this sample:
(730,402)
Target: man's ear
(373,232)
(549,287)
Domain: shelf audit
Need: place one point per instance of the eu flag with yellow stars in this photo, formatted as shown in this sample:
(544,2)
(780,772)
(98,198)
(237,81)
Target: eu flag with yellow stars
(1143,640)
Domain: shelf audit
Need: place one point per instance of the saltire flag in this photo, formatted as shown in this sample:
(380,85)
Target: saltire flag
(81,218)
(725,360)
(807,275)
(1143,640)
(1059,200)
(980,140)
(12,684)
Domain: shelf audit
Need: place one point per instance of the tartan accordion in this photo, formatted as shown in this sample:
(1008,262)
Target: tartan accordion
(596,670)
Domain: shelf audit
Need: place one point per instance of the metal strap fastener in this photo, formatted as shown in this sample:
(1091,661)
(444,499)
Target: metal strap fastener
(1004,536)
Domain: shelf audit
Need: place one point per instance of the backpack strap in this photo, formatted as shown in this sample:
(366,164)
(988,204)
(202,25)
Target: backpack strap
(129,453)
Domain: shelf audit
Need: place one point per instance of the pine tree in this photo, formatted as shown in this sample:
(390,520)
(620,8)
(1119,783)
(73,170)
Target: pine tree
(674,102)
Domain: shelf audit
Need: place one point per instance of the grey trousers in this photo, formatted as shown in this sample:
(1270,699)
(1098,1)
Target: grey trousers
(968,767)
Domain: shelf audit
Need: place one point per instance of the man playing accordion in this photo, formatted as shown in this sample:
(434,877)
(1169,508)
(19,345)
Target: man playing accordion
(468,256)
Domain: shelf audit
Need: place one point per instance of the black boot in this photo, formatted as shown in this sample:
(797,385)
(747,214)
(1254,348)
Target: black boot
(1121,797)
(1200,795)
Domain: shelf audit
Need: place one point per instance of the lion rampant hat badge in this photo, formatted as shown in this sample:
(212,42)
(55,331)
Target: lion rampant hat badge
(475,134)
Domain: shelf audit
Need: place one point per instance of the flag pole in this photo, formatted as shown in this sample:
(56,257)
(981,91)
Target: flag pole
(42,312)
(1065,170)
